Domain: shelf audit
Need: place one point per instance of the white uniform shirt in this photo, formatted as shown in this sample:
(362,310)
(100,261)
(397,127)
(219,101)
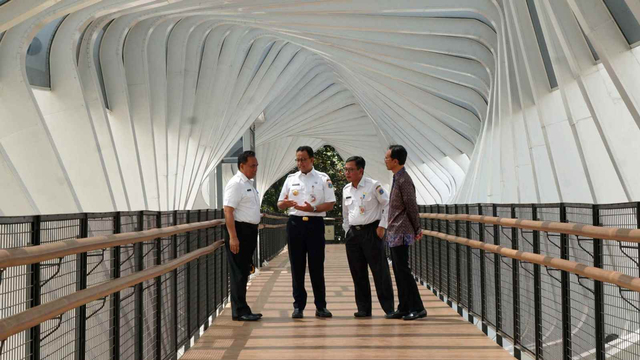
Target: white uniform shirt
(315,188)
(365,204)
(243,198)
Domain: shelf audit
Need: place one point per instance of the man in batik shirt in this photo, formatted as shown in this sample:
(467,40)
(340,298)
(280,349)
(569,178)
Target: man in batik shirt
(403,230)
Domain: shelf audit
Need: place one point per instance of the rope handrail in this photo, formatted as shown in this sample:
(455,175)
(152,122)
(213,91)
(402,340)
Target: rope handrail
(594,232)
(27,319)
(594,273)
(35,254)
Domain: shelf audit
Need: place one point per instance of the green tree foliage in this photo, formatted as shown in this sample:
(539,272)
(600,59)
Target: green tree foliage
(327,161)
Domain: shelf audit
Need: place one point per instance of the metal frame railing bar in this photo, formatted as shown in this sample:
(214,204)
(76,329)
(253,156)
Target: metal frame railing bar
(38,253)
(558,264)
(27,319)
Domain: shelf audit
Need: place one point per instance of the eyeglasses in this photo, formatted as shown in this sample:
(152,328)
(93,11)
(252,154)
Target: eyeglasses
(350,170)
(302,160)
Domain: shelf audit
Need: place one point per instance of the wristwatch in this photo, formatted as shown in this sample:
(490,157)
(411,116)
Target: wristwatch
(315,209)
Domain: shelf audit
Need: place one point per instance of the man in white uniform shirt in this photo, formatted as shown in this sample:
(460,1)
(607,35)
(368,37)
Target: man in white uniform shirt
(308,195)
(364,208)
(242,216)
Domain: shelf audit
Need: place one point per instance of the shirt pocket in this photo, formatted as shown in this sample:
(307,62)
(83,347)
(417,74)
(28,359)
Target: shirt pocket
(349,205)
(256,197)
(295,192)
(369,203)
(247,198)
(318,190)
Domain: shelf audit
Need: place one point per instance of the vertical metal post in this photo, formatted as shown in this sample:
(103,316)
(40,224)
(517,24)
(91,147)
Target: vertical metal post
(483,275)
(469,269)
(515,281)
(159,324)
(115,297)
(188,280)
(497,277)
(446,244)
(566,291)
(81,284)
(206,264)
(428,262)
(537,290)
(438,241)
(174,286)
(458,266)
(35,290)
(215,268)
(598,287)
(435,253)
(139,303)
(421,245)
(198,272)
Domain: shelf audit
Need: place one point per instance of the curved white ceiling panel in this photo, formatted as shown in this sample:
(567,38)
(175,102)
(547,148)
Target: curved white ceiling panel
(496,100)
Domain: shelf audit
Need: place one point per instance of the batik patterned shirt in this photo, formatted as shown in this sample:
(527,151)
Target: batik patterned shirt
(403,221)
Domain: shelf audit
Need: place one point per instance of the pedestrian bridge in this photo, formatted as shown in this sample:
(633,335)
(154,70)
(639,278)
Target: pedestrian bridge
(542,281)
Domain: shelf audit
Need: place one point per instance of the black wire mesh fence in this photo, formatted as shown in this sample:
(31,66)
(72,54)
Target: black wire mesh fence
(151,320)
(543,312)
(272,240)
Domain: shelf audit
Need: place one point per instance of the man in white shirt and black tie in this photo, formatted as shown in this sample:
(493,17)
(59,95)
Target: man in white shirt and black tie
(365,204)
(242,216)
(308,195)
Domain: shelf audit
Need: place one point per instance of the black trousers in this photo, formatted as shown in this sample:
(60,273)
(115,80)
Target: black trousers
(240,267)
(408,295)
(307,238)
(364,247)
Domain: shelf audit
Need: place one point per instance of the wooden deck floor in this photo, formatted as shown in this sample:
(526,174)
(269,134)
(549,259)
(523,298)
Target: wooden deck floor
(442,335)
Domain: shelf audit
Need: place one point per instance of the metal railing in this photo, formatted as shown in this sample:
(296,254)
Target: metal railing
(273,238)
(76,286)
(579,300)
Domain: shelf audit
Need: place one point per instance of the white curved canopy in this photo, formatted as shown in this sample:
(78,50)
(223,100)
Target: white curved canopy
(495,100)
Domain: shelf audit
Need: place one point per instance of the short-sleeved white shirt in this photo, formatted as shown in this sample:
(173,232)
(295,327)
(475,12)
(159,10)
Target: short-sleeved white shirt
(240,194)
(314,187)
(365,204)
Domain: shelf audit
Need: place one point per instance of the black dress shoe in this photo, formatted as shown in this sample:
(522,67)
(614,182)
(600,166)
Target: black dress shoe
(362,314)
(249,317)
(323,313)
(415,315)
(395,315)
(297,314)
(256,314)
